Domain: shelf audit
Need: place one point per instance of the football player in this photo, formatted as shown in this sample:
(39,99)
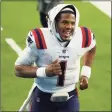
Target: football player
(57,51)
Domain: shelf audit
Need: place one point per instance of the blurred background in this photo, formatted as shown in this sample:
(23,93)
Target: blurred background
(18,18)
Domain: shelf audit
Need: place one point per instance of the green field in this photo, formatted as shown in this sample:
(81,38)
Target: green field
(17,18)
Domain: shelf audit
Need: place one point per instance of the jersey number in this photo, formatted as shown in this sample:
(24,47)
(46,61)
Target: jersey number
(60,81)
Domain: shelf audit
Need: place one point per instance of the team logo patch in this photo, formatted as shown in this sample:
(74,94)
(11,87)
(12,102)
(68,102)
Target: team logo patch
(38,99)
(29,40)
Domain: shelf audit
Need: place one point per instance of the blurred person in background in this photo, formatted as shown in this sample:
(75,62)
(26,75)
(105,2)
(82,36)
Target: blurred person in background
(44,6)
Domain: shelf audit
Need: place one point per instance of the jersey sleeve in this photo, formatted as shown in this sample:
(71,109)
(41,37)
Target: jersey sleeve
(89,40)
(93,41)
(30,54)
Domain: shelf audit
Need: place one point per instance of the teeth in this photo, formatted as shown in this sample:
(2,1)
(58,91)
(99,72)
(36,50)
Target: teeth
(67,32)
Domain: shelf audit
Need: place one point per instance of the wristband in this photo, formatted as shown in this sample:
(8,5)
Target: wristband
(41,72)
(86,71)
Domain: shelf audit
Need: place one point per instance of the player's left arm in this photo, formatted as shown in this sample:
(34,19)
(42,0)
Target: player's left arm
(88,59)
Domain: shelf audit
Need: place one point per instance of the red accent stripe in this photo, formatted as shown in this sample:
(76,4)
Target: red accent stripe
(83,37)
(43,40)
(89,35)
(36,39)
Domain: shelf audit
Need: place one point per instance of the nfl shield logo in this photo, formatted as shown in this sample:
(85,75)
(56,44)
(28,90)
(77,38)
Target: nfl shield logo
(64,51)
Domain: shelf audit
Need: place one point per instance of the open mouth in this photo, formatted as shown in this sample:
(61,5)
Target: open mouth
(67,33)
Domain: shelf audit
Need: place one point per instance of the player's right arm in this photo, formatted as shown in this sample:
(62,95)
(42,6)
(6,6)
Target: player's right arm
(24,63)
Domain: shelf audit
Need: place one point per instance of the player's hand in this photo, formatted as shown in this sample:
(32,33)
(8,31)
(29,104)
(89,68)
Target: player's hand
(53,69)
(83,82)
